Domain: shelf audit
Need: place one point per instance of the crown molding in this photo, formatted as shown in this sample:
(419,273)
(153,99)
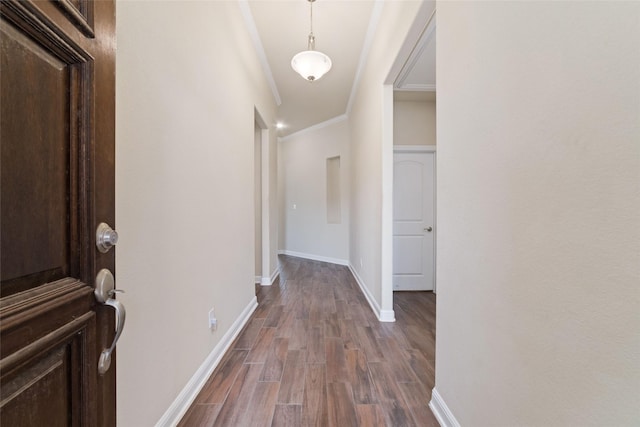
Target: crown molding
(257,43)
(376,13)
(316,127)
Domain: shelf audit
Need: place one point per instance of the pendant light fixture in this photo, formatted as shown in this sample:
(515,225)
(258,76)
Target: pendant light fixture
(310,63)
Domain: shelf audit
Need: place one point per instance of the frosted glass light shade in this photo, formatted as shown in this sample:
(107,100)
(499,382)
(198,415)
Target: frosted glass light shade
(311,64)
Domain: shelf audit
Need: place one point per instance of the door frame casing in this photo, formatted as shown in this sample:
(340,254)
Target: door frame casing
(414,148)
(408,149)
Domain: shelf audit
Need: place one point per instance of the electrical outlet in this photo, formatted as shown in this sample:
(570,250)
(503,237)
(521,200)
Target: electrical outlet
(213,322)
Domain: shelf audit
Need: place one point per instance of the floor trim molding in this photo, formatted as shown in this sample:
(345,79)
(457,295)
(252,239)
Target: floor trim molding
(275,274)
(382,315)
(315,257)
(441,411)
(181,404)
(387,316)
(268,281)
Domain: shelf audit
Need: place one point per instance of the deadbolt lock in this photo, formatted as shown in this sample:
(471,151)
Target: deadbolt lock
(106,237)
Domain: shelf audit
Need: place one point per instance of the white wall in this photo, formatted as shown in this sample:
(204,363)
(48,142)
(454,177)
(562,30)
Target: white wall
(414,123)
(367,125)
(303,171)
(538,200)
(186,90)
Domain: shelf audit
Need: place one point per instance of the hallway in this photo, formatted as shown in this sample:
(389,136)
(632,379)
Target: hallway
(313,354)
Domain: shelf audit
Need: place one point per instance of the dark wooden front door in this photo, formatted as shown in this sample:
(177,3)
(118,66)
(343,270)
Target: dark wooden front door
(57,75)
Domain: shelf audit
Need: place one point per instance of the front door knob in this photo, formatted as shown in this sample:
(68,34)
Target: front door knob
(104,293)
(106,237)
(428,229)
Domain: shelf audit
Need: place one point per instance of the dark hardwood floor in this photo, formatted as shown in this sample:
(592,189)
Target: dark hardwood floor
(314,354)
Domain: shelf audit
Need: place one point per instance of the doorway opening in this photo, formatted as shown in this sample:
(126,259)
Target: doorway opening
(411,79)
(261,199)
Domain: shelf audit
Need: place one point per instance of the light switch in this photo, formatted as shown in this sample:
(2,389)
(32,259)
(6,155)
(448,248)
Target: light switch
(213,322)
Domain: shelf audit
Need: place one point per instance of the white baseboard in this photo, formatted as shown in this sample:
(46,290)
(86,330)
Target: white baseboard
(268,281)
(258,279)
(441,411)
(382,315)
(387,316)
(181,404)
(315,257)
(275,274)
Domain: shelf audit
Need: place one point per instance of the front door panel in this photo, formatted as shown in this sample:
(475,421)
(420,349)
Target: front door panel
(56,121)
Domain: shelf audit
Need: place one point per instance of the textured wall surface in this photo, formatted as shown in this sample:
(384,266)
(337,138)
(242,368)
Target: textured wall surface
(538,197)
(185,190)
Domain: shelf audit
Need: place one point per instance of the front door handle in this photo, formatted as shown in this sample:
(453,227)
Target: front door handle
(105,292)
(428,229)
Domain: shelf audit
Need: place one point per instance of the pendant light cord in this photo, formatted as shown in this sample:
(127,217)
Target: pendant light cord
(311,17)
(312,40)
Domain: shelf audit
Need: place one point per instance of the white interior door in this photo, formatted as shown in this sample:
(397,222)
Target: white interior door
(413,221)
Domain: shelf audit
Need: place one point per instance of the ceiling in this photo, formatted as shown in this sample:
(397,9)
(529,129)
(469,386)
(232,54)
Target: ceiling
(280,29)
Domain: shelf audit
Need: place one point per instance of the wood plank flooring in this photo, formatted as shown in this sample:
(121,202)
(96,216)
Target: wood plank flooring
(314,354)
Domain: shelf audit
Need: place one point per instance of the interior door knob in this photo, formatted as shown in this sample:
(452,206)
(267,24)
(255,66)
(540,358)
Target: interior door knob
(429,229)
(106,237)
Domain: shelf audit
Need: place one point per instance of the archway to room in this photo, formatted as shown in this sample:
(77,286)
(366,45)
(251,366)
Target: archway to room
(409,227)
(409,233)
(414,179)
(261,199)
